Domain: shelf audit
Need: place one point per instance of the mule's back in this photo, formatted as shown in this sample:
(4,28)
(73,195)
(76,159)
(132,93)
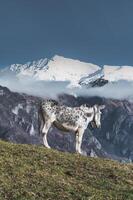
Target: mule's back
(69,115)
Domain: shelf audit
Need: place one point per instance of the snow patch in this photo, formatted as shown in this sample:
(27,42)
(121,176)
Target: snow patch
(28,108)
(93,154)
(32,130)
(16,109)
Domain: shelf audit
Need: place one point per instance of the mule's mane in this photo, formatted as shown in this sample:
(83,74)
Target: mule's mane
(52,101)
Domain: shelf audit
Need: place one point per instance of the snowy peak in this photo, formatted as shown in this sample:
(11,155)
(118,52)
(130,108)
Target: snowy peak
(65,69)
(56,69)
(30,68)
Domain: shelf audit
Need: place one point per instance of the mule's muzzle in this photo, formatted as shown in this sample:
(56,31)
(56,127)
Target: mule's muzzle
(94,125)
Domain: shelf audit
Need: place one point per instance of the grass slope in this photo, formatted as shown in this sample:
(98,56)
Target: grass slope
(35,173)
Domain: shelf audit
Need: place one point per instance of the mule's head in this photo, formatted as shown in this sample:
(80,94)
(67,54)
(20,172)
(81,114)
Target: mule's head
(96,122)
(85,108)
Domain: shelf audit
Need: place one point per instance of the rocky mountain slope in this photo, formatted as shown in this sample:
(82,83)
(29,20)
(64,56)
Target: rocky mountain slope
(18,117)
(31,172)
(19,124)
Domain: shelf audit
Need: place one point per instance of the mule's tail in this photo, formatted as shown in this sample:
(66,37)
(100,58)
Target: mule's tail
(41,120)
(43,109)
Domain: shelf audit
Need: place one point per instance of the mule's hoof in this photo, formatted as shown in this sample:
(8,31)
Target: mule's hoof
(82,153)
(47,146)
(79,152)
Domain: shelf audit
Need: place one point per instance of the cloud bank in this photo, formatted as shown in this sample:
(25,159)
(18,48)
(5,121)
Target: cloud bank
(51,89)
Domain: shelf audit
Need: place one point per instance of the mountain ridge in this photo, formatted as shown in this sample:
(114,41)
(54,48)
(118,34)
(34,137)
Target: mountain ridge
(76,72)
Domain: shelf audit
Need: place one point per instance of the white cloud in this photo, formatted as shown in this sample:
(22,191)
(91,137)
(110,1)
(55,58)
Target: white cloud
(118,90)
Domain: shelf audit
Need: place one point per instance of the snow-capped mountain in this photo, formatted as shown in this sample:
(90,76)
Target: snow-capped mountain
(75,72)
(56,69)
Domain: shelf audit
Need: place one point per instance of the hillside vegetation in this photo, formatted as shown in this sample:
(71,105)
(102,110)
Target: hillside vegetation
(30,172)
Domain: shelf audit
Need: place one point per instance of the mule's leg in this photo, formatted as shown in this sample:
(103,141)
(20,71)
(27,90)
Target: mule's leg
(79,136)
(40,123)
(45,130)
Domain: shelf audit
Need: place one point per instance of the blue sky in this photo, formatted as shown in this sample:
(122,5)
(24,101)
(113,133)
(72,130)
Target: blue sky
(98,31)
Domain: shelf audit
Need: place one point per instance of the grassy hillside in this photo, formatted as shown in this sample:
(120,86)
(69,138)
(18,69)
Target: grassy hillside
(35,173)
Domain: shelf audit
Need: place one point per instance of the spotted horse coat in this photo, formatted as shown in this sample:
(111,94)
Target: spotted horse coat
(69,119)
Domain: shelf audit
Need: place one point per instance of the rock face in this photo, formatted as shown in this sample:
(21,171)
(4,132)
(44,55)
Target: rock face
(99,82)
(19,124)
(18,117)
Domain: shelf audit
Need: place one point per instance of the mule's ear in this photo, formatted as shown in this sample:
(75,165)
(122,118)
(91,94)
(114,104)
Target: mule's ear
(83,105)
(96,106)
(102,107)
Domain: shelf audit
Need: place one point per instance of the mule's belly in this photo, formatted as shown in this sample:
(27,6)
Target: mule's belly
(70,127)
(65,126)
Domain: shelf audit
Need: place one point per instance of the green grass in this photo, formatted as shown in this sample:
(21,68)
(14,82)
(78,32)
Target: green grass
(29,172)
